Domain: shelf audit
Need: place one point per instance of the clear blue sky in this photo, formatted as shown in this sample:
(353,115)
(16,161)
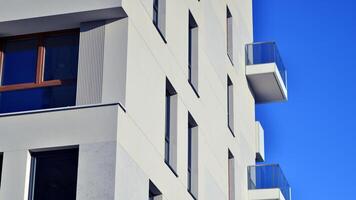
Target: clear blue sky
(313,135)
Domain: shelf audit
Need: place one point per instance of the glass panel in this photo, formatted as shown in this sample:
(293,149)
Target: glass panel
(20,60)
(55,175)
(268,176)
(34,99)
(61,61)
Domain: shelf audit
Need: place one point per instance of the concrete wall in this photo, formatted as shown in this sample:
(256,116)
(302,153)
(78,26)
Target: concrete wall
(150,60)
(131,69)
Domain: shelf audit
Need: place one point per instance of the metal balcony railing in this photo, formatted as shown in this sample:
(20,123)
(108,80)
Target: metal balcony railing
(265,52)
(268,177)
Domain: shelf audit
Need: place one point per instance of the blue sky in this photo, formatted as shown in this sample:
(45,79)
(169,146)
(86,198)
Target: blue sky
(313,135)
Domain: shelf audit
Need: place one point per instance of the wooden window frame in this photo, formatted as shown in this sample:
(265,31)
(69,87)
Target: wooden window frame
(40,66)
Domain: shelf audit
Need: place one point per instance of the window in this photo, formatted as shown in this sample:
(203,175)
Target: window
(158,18)
(38,71)
(54,175)
(154,193)
(229,34)
(231,176)
(155,12)
(1,160)
(230,105)
(192,157)
(193,54)
(170,127)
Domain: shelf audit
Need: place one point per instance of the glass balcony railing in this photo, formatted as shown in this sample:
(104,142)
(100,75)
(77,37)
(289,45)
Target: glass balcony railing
(265,52)
(268,177)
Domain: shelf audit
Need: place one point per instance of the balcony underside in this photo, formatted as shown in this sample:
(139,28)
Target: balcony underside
(266,194)
(54,19)
(266,83)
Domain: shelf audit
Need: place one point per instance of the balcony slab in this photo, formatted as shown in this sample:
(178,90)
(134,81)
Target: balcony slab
(266,194)
(266,83)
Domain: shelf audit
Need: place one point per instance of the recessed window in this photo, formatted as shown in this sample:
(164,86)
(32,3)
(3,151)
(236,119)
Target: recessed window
(231,175)
(170,139)
(38,71)
(229,34)
(230,105)
(193,54)
(54,175)
(192,156)
(158,18)
(154,193)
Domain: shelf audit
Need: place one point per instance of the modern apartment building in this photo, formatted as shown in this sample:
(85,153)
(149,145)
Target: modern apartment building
(135,100)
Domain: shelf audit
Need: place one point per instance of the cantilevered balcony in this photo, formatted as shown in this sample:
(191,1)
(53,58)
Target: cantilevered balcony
(267,182)
(265,72)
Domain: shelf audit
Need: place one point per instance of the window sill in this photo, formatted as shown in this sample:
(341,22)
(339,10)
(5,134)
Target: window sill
(231,131)
(194,90)
(231,61)
(191,194)
(171,168)
(160,33)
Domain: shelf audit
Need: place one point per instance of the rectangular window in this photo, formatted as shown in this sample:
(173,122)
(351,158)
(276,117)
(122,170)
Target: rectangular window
(170,127)
(231,176)
(1,160)
(192,156)
(193,54)
(38,71)
(54,175)
(229,34)
(154,193)
(158,18)
(230,105)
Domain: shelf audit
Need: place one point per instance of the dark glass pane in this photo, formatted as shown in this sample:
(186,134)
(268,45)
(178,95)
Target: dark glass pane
(166,151)
(61,61)
(189,180)
(42,98)
(20,62)
(55,175)
(155,12)
(189,148)
(1,157)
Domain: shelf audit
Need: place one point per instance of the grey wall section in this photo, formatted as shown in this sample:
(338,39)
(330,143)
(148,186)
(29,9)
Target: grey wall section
(115,61)
(132,183)
(14,180)
(102,62)
(96,171)
(91,61)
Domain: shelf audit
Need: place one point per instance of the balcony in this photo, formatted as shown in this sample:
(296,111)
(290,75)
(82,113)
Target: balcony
(267,182)
(265,72)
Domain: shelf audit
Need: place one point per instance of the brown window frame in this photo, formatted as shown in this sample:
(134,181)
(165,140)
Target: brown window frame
(41,53)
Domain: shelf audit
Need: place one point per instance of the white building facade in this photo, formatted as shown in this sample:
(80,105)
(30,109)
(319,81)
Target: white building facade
(135,100)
